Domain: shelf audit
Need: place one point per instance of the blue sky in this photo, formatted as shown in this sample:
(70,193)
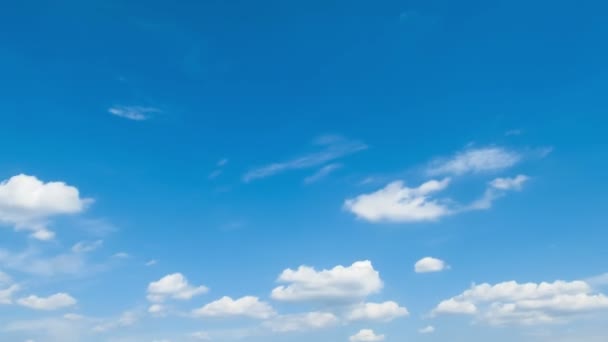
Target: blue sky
(294,171)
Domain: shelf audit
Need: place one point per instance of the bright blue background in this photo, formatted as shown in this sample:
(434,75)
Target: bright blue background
(255,82)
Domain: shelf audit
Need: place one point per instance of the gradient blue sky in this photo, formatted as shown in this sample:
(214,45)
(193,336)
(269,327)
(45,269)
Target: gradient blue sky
(207,148)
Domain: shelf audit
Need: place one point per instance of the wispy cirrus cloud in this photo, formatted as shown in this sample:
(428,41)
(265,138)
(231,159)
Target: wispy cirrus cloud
(475,160)
(322,173)
(333,148)
(135,113)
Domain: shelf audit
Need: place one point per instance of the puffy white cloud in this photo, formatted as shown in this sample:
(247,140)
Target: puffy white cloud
(247,306)
(28,203)
(398,203)
(302,322)
(86,246)
(529,303)
(136,113)
(156,309)
(429,329)
(386,311)
(53,302)
(474,161)
(6,295)
(334,147)
(453,306)
(337,284)
(430,264)
(366,335)
(174,286)
(515,183)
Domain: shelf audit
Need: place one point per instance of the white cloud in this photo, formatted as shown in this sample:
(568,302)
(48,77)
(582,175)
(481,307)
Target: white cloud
(430,264)
(6,295)
(156,309)
(32,262)
(366,335)
(338,284)
(496,189)
(53,302)
(429,329)
(531,303)
(475,161)
(28,203)
(398,203)
(247,306)
(322,173)
(126,319)
(200,335)
(515,183)
(385,312)
(334,147)
(302,322)
(73,317)
(86,246)
(151,262)
(121,255)
(453,306)
(174,286)
(136,113)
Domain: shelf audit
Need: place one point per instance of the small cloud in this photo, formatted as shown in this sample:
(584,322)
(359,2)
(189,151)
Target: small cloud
(366,335)
(136,113)
(429,264)
(86,247)
(54,302)
(398,203)
(151,262)
(247,306)
(334,147)
(515,183)
(429,329)
(486,159)
(174,286)
(339,284)
(322,173)
(121,255)
(222,162)
(302,322)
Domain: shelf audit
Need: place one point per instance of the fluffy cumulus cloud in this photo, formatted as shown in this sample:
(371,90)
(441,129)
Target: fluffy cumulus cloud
(28,203)
(430,264)
(366,335)
(247,306)
(530,303)
(302,322)
(399,203)
(53,302)
(338,284)
(385,312)
(173,286)
(475,161)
